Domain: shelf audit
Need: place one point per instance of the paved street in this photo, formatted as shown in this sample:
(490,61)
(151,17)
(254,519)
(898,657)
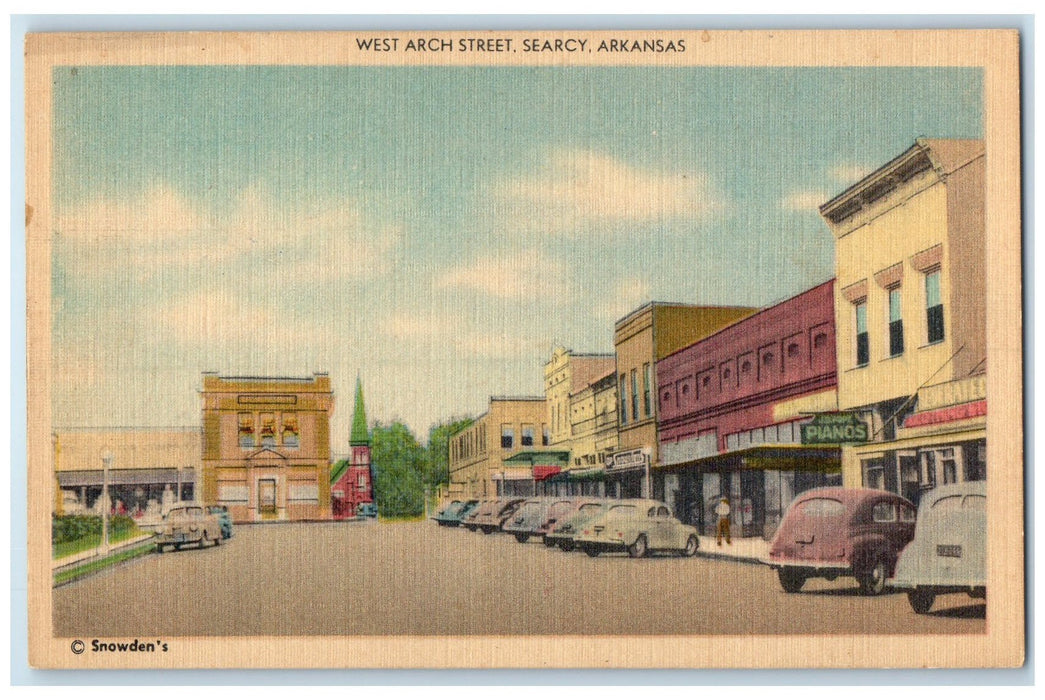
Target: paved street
(421,579)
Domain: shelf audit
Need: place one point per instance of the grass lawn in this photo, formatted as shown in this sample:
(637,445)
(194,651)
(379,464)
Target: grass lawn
(64,549)
(80,571)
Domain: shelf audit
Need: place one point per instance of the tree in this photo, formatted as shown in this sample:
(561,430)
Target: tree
(399,462)
(438,466)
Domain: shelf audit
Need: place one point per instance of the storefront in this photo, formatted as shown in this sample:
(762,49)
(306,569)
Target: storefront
(628,474)
(528,473)
(578,482)
(134,492)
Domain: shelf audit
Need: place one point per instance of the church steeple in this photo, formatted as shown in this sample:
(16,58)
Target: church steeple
(360,432)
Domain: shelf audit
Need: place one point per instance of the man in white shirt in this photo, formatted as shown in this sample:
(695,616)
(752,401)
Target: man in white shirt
(722,511)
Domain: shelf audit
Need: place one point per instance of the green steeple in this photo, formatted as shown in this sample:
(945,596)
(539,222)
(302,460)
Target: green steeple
(360,433)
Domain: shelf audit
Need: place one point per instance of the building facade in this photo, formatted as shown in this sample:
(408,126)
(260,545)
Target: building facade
(149,469)
(640,340)
(266,446)
(910,312)
(731,408)
(480,454)
(351,481)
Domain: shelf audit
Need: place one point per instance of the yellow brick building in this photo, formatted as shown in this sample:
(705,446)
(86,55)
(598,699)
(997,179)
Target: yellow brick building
(910,316)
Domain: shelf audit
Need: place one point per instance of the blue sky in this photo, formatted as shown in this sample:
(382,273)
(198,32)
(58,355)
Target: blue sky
(436,230)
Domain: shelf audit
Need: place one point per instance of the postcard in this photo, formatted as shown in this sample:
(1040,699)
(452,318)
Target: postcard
(506,349)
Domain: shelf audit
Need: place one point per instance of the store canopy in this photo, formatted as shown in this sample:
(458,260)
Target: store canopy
(540,473)
(576,475)
(540,458)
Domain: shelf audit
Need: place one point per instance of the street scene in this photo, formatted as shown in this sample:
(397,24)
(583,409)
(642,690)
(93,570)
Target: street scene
(420,578)
(612,350)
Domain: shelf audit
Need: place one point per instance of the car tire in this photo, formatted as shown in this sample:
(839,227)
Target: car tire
(204,541)
(177,547)
(692,545)
(791,579)
(487,530)
(921,600)
(566,546)
(547,542)
(590,551)
(639,549)
(872,581)
(521,537)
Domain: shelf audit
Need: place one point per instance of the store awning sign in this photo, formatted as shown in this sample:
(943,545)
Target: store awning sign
(630,459)
(834,429)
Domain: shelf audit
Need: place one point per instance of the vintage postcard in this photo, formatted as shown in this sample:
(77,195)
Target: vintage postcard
(662,349)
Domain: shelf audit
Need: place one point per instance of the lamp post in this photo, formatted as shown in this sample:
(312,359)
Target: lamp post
(647,457)
(106,463)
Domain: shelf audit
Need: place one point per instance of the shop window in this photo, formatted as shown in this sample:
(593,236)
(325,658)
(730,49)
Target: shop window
(527,436)
(933,307)
(507,437)
(863,345)
(874,474)
(246,430)
(895,322)
(290,431)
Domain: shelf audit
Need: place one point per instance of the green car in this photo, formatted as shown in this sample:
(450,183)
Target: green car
(223,517)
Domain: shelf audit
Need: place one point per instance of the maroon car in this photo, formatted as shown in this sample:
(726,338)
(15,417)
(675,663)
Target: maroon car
(833,532)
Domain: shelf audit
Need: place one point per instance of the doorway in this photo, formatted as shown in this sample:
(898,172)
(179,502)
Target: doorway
(267,498)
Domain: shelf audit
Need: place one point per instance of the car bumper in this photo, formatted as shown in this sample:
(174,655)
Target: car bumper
(601,545)
(820,567)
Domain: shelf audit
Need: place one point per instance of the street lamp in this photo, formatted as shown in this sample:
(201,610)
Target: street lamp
(106,463)
(647,457)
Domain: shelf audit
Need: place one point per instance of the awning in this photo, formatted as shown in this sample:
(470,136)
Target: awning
(118,477)
(542,472)
(950,414)
(543,458)
(781,457)
(578,475)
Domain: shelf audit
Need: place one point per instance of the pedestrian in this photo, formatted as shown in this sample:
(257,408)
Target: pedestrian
(722,511)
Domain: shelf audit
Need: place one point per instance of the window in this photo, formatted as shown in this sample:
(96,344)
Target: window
(884,513)
(874,474)
(507,437)
(527,436)
(362,481)
(863,347)
(821,508)
(949,466)
(895,323)
(246,430)
(793,350)
(907,514)
(268,430)
(623,391)
(635,393)
(290,431)
(546,438)
(646,379)
(933,307)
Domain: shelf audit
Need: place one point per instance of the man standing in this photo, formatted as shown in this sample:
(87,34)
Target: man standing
(722,511)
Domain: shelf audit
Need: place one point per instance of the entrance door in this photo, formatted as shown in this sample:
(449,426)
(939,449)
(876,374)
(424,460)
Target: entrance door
(267,498)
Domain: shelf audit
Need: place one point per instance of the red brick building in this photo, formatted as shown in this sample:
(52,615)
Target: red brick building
(351,481)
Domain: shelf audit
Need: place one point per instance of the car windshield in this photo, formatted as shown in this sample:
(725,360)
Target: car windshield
(589,509)
(619,512)
(821,508)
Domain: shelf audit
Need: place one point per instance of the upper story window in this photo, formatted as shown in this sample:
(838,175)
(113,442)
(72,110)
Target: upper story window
(863,345)
(507,436)
(933,306)
(268,430)
(623,391)
(646,380)
(635,393)
(290,431)
(527,436)
(546,437)
(246,430)
(895,322)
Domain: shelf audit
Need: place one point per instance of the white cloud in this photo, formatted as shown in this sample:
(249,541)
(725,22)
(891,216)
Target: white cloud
(804,201)
(524,277)
(491,338)
(584,187)
(627,295)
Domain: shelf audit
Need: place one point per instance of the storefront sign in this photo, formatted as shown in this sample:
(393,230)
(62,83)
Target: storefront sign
(631,459)
(835,428)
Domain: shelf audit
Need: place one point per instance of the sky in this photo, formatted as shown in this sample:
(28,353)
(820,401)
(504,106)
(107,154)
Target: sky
(436,231)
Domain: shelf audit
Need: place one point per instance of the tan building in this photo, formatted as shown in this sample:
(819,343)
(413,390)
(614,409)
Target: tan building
(646,335)
(266,446)
(479,454)
(910,315)
(148,468)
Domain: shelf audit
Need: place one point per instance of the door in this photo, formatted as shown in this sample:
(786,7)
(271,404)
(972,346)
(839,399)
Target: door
(267,498)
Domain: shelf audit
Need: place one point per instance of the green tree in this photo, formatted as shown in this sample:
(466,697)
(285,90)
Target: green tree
(399,462)
(437,472)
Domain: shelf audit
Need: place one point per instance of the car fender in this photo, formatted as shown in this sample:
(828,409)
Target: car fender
(866,547)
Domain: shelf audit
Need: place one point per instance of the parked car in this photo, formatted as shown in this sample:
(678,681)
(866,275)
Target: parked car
(567,528)
(444,516)
(530,516)
(948,552)
(367,510)
(832,532)
(452,515)
(637,526)
(223,518)
(491,515)
(469,521)
(188,525)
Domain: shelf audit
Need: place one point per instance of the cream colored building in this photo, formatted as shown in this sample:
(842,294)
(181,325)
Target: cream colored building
(149,468)
(910,317)
(512,425)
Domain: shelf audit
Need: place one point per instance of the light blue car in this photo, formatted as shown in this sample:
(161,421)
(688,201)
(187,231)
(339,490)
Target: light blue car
(949,551)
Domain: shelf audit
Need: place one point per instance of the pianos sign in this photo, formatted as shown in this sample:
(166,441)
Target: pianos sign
(835,428)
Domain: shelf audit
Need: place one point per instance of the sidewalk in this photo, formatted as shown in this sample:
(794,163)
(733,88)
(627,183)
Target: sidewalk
(89,554)
(753,550)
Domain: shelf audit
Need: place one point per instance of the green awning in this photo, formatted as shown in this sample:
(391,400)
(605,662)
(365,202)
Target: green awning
(532,458)
(578,475)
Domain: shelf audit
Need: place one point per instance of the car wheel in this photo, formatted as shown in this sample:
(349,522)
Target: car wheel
(177,547)
(521,537)
(204,541)
(921,600)
(566,545)
(791,580)
(692,544)
(639,549)
(547,542)
(590,551)
(872,581)
(488,530)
